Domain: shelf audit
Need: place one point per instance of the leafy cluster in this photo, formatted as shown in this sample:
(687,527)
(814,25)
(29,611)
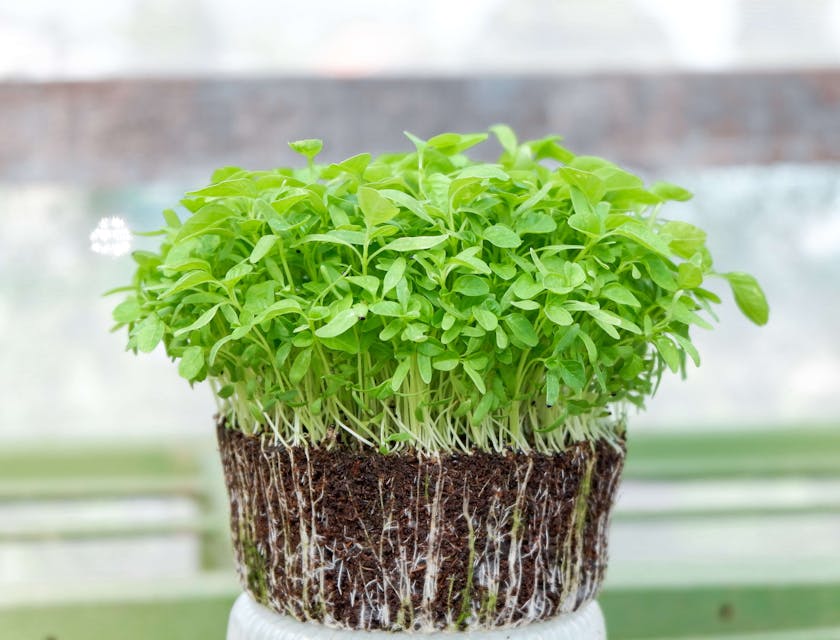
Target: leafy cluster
(427,300)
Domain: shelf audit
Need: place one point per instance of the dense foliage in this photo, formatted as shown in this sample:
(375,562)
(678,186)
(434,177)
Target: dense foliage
(427,300)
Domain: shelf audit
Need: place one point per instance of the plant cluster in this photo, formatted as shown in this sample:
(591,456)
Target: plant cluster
(426,300)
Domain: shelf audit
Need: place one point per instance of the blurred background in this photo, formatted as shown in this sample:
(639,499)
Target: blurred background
(112,513)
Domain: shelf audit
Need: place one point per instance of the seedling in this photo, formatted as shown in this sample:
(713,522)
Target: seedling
(428,301)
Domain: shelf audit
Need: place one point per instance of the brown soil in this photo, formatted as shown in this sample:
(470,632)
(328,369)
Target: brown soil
(407,541)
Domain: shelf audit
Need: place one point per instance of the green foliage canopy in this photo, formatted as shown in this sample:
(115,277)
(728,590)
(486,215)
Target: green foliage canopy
(427,300)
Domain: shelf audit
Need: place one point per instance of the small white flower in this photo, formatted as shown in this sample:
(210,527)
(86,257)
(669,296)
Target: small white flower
(111,237)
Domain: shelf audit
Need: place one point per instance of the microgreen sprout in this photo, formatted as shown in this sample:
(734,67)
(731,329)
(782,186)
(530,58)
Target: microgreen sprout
(426,300)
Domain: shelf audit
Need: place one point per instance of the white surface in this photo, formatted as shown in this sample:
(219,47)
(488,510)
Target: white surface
(729,495)
(730,550)
(68,560)
(45,39)
(251,621)
(72,562)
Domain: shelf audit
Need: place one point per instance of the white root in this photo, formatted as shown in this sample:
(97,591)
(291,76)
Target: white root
(432,551)
(525,552)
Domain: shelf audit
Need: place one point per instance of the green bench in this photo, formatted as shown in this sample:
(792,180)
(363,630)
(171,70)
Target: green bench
(664,602)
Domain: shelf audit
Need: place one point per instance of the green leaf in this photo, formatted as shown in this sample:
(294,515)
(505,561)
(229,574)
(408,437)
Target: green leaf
(171,218)
(214,350)
(584,218)
(471,286)
(387,308)
(415,243)
(640,233)
(686,238)
(234,187)
(309,147)
(475,376)
(487,319)
(621,295)
(187,281)
(336,236)
(262,247)
(468,258)
(502,236)
(660,273)
(346,343)
(149,333)
(506,137)
(608,327)
(689,276)
(408,202)
(749,296)
(171,267)
(521,330)
(418,143)
(549,148)
(207,218)
(688,347)
(192,361)
(226,391)
(259,296)
(504,271)
(224,173)
(573,374)
(555,312)
(230,315)
(354,165)
(590,186)
(399,375)
(533,222)
(607,320)
(376,208)
(236,272)
(447,361)
(668,352)
(203,297)
(526,288)
(202,320)
(589,345)
(451,143)
(368,283)
(342,321)
(242,331)
(281,207)
(484,172)
(282,354)
(579,305)
(572,277)
(682,310)
(502,339)
(414,332)
(527,305)
(484,406)
(279,308)
(127,311)
(424,367)
(391,329)
(300,365)
(668,191)
(394,274)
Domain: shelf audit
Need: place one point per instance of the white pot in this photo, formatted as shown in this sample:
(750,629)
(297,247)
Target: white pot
(252,621)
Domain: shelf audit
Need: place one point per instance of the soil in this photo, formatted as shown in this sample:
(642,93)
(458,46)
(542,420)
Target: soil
(361,540)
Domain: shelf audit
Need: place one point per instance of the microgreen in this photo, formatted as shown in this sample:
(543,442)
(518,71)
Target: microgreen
(427,300)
